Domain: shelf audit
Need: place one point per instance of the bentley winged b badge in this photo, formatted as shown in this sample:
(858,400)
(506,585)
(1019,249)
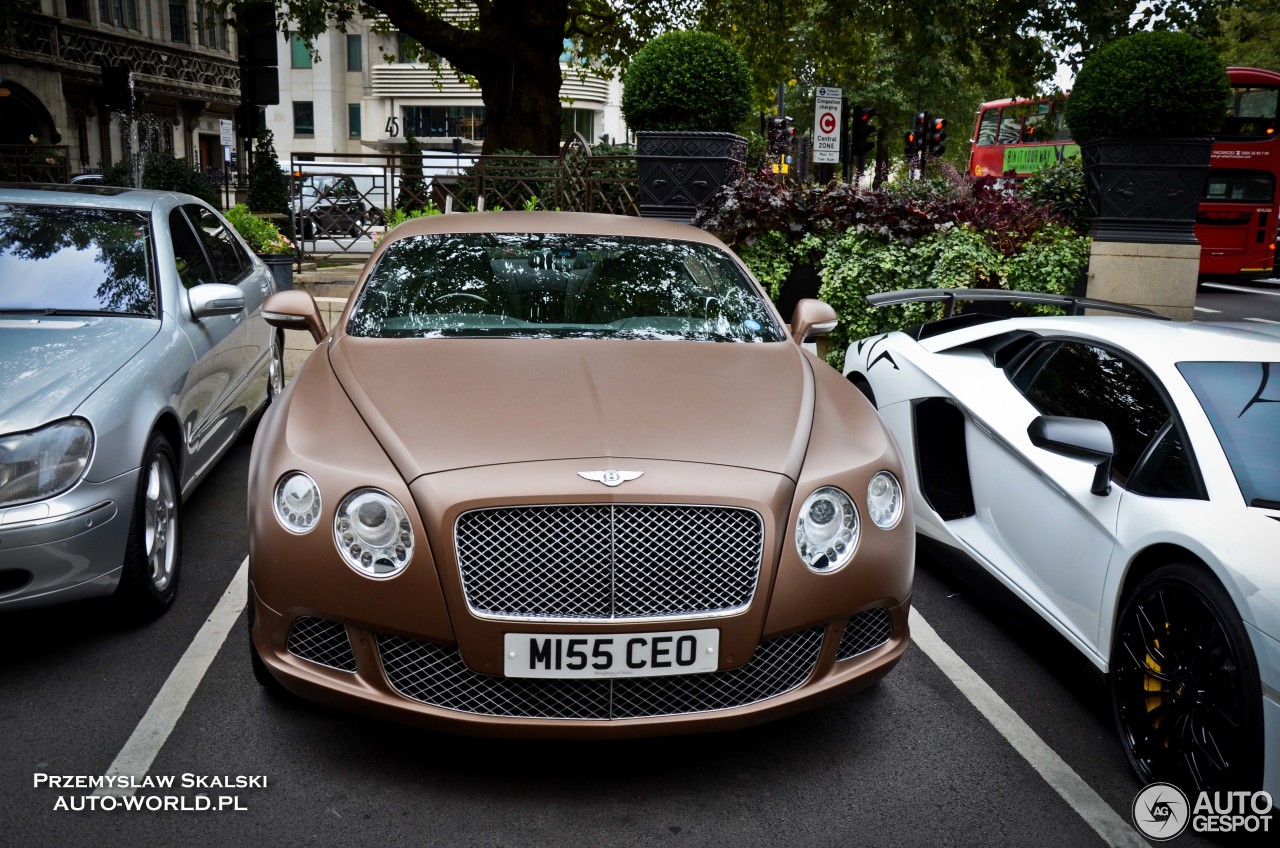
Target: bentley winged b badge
(610,477)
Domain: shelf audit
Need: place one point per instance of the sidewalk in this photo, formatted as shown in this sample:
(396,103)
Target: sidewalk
(330,286)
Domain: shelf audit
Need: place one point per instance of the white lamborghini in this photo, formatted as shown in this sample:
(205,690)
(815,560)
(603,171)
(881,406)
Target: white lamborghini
(1121,476)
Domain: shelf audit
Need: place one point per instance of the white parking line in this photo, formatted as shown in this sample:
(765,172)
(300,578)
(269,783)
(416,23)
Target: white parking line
(1063,779)
(137,755)
(1262,320)
(1225,287)
(1207,309)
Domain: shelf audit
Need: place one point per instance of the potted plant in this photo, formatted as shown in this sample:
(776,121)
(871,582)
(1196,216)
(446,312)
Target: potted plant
(265,239)
(685,94)
(1142,109)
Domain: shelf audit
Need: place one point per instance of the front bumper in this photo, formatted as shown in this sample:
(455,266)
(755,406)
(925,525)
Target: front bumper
(66,548)
(353,666)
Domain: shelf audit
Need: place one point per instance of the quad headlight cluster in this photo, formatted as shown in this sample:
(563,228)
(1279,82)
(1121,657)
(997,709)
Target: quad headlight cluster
(828,527)
(370,528)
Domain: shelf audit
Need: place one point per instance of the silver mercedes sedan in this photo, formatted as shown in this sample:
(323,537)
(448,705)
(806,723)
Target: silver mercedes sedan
(132,354)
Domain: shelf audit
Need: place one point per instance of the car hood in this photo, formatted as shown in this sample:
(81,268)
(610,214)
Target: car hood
(443,404)
(52,364)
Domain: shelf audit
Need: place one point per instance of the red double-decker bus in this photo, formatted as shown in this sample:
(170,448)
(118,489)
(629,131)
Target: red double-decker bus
(1236,221)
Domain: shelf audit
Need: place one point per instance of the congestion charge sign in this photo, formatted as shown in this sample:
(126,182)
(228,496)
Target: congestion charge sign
(826,125)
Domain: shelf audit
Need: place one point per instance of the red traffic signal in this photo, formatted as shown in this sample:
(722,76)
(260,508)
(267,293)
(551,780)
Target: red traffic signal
(937,134)
(862,134)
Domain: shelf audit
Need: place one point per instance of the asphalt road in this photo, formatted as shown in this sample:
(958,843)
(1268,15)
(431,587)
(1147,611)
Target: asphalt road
(910,762)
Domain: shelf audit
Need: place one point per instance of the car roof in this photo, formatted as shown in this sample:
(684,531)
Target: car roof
(1152,341)
(578,223)
(87,195)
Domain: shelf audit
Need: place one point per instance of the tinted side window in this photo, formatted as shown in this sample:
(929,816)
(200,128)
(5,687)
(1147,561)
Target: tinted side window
(1082,381)
(228,258)
(193,266)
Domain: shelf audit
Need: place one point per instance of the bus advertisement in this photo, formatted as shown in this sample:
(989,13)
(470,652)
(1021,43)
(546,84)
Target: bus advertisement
(1236,220)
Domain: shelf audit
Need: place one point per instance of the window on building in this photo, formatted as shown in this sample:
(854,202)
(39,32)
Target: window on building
(211,26)
(178,23)
(304,117)
(577,120)
(445,121)
(300,53)
(355,53)
(353,120)
(118,13)
(77,9)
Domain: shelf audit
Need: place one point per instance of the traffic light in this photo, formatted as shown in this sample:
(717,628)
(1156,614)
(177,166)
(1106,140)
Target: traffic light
(780,135)
(118,93)
(937,134)
(258,41)
(915,138)
(862,135)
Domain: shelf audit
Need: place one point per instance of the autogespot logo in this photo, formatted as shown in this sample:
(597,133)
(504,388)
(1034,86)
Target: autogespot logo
(1161,812)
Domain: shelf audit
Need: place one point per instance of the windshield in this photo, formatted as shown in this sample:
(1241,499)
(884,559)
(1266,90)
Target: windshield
(561,286)
(58,259)
(1242,400)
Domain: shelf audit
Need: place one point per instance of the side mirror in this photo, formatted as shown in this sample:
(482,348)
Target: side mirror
(812,318)
(294,310)
(1077,438)
(209,299)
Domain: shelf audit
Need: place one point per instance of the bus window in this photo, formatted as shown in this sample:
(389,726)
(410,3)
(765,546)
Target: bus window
(1251,113)
(1232,186)
(1039,126)
(987,127)
(1010,128)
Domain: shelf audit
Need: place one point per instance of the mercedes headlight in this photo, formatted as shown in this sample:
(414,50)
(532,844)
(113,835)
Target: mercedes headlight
(46,462)
(373,533)
(827,529)
(884,500)
(297,502)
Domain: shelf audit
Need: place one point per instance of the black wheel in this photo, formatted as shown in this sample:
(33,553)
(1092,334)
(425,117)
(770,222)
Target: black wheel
(149,579)
(275,367)
(1185,689)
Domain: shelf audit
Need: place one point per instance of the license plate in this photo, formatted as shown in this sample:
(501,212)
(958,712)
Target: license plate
(614,655)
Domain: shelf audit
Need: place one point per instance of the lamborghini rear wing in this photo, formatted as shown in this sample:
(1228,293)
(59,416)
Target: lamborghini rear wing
(954,296)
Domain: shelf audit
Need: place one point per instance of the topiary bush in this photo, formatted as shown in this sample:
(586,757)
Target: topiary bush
(1149,85)
(268,187)
(687,81)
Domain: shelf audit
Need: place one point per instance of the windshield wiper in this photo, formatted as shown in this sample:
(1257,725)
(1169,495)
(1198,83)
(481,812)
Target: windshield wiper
(1264,503)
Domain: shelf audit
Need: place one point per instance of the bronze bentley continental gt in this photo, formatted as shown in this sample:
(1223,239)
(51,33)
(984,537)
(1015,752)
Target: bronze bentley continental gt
(568,475)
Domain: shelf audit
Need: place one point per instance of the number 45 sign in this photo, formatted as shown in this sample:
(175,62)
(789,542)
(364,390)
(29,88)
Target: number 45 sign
(826,125)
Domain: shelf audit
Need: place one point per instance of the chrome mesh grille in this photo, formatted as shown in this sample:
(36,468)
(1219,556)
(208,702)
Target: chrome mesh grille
(603,561)
(437,676)
(322,642)
(865,631)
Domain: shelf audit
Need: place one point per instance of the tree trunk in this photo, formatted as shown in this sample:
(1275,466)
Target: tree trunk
(519,75)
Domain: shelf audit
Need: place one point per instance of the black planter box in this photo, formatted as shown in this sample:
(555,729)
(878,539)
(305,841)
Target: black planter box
(1144,190)
(680,171)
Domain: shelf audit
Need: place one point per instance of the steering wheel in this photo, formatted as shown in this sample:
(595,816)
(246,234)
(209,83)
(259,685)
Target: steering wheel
(467,295)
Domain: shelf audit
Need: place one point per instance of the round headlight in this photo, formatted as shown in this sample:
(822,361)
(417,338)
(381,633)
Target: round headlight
(297,502)
(827,529)
(46,462)
(373,533)
(884,500)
